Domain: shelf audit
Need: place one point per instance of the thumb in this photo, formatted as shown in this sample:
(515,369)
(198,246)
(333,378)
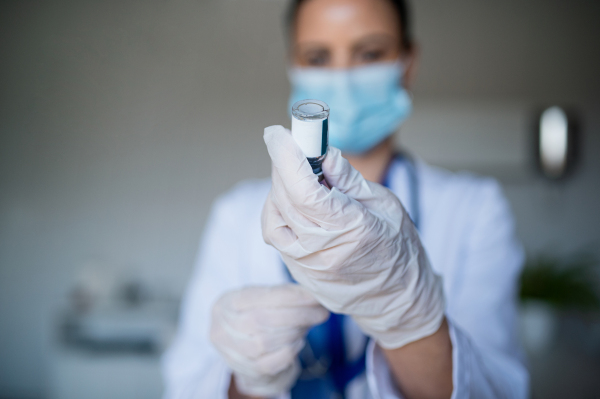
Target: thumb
(289,162)
(286,155)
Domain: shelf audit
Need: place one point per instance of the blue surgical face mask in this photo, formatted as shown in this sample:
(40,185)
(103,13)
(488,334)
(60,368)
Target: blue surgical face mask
(367,103)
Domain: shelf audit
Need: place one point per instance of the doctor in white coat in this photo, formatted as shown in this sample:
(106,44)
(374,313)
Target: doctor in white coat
(423,305)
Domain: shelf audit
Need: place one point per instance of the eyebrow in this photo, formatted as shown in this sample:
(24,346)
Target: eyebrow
(310,46)
(375,38)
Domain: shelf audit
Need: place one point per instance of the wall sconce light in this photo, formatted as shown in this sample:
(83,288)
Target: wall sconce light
(556,142)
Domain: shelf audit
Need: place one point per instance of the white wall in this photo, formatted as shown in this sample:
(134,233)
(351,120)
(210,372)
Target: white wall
(121,121)
(495,138)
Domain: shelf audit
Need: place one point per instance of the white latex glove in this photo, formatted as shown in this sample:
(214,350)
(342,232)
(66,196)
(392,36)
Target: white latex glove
(353,247)
(259,332)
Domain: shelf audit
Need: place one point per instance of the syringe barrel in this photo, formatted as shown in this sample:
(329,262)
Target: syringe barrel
(311,131)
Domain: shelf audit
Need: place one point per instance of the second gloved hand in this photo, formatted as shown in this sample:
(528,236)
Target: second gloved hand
(259,332)
(353,247)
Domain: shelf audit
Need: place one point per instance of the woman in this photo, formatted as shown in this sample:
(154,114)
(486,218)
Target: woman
(358,56)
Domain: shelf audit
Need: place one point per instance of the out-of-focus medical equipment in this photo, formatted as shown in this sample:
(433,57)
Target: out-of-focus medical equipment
(144,329)
(259,332)
(354,247)
(368,103)
(310,130)
(111,335)
(111,313)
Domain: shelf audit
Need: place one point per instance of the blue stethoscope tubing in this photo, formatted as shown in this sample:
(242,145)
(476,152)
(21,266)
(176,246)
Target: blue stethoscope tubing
(413,185)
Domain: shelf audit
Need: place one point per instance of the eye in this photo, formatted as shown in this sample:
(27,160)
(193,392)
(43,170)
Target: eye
(316,59)
(372,55)
(375,48)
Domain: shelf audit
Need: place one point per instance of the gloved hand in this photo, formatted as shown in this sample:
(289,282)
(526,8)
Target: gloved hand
(260,330)
(353,247)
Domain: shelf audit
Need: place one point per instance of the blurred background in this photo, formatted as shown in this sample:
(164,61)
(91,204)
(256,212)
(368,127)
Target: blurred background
(120,122)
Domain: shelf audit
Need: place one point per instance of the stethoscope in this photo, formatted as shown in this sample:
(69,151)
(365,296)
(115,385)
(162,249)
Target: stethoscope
(315,365)
(413,184)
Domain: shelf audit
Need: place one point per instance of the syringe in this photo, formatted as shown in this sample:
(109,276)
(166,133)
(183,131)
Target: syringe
(310,131)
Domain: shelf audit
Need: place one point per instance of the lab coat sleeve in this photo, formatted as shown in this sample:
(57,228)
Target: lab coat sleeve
(486,357)
(192,368)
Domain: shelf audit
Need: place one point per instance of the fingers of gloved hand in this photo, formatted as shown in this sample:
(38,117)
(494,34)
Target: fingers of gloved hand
(252,345)
(276,361)
(268,364)
(332,223)
(285,296)
(268,386)
(310,211)
(302,202)
(245,352)
(256,320)
(275,230)
(296,178)
(287,158)
(270,320)
(277,233)
(340,174)
(283,207)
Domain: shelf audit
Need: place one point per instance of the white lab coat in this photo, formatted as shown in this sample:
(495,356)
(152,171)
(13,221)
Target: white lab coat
(468,231)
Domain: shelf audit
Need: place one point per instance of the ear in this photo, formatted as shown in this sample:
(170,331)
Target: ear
(411,60)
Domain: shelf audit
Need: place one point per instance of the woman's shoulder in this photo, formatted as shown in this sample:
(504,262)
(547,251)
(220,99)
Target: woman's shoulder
(463,186)
(463,212)
(463,198)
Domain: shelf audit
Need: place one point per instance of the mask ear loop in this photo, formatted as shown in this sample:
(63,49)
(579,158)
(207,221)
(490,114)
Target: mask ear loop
(406,62)
(402,66)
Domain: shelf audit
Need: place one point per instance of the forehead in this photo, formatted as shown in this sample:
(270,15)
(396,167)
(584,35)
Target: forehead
(318,20)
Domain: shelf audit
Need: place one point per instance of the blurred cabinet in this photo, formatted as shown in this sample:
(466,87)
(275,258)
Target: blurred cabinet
(111,351)
(76,374)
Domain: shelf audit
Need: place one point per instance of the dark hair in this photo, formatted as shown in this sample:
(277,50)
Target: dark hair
(402,11)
